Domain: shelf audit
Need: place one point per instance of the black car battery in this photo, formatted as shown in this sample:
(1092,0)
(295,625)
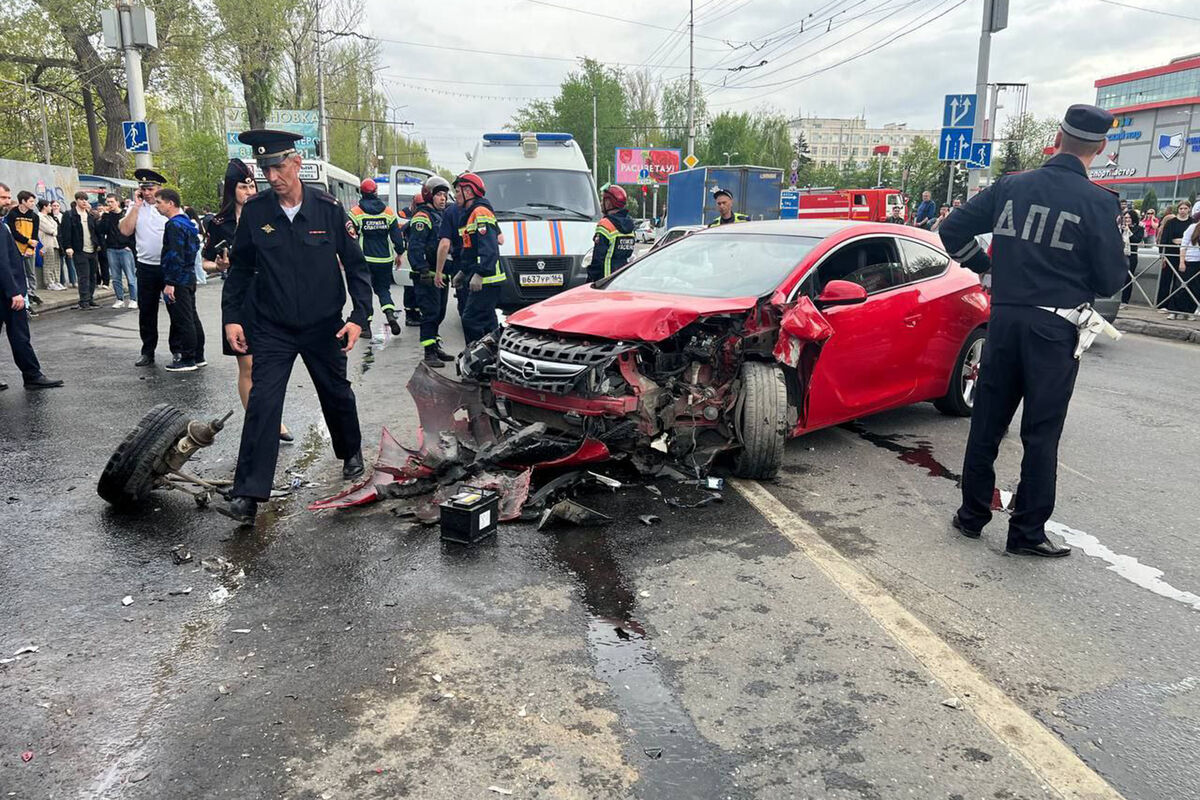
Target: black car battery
(470,515)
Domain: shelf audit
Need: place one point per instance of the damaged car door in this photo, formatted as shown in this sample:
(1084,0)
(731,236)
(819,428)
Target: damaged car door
(866,365)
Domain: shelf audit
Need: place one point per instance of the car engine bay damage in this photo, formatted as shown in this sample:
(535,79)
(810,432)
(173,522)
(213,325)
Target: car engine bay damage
(533,405)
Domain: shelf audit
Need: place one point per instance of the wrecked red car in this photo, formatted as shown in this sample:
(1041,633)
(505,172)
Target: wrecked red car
(737,337)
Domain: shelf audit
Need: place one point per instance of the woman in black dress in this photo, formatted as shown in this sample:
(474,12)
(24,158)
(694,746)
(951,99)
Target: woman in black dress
(1170,232)
(239,187)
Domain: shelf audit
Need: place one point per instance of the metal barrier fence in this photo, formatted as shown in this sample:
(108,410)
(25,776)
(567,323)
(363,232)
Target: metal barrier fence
(1176,288)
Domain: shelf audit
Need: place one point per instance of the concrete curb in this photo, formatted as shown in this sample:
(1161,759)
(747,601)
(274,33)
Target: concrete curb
(52,302)
(1158,330)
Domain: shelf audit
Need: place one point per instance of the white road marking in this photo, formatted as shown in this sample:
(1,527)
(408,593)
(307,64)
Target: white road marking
(1076,472)
(1043,752)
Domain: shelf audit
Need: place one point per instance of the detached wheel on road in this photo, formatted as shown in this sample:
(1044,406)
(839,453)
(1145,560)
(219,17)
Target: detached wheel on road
(959,399)
(763,423)
(139,460)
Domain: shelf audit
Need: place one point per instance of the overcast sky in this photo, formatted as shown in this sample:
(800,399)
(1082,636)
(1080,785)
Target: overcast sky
(1058,47)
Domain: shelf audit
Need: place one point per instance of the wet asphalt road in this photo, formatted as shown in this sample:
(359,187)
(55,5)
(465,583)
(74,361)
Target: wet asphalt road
(355,655)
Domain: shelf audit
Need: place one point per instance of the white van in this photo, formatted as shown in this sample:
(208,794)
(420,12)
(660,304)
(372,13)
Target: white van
(545,201)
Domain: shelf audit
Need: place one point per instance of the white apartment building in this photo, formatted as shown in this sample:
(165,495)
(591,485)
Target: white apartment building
(836,141)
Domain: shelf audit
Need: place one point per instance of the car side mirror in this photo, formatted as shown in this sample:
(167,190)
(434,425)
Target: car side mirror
(841,293)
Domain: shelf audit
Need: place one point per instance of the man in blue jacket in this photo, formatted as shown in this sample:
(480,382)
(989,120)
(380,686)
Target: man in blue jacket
(13,317)
(181,243)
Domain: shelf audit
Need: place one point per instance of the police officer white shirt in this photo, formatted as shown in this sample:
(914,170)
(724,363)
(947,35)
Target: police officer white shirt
(149,234)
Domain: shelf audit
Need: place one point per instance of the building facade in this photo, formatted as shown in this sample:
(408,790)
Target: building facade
(836,141)
(1155,140)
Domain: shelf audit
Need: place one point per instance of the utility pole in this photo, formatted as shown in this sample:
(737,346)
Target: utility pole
(995,19)
(595,131)
(691,78)
(324,120)
(133,74)
(129,28)
(45,128)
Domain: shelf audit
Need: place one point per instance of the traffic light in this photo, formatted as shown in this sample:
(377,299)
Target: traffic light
(645,191)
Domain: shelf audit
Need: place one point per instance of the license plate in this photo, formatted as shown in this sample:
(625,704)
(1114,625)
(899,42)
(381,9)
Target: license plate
(542,279)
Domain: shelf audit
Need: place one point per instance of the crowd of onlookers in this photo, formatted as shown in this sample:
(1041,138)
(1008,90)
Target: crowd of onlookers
(80,247)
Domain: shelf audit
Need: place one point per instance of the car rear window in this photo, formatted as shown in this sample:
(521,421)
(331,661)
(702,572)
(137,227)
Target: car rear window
(715,265)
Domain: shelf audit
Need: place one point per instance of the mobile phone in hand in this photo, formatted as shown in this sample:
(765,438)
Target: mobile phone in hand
(344,340)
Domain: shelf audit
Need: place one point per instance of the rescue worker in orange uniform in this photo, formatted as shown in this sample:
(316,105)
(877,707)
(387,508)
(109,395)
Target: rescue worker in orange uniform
(481,258)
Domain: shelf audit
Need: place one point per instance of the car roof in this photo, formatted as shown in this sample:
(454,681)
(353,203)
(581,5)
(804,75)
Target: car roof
(819,228)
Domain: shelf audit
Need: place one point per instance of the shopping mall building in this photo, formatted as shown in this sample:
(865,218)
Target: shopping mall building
(1155,140)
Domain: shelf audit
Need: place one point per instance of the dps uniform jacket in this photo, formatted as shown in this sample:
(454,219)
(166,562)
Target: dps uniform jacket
(288,272)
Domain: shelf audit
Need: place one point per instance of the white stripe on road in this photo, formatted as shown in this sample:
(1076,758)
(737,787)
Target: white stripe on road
(1042,751)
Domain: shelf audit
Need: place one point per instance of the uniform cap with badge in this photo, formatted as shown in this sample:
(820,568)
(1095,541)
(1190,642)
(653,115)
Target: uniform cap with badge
(270,147)
(147,177)
(1087,122)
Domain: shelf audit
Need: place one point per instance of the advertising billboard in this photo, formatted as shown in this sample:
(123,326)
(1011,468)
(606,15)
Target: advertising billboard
(646,164)
(301,121)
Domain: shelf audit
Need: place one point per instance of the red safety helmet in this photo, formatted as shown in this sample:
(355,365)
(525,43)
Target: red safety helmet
(616,195)
(472,180)
(368,186)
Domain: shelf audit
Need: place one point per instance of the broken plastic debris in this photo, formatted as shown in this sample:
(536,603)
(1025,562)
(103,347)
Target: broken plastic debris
(521,712)
(127,600)
(223,689)
(498,790)
(653,752)
(27,756)
(574,513)
(29,648)
(437,678)
(952,702)
(177,592)
(216,564)
(611,483)
(643,593)
(219,595)
(241,630)
(179,555)
(650,519)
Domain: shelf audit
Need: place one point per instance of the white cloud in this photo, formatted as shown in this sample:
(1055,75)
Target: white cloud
(1059,48)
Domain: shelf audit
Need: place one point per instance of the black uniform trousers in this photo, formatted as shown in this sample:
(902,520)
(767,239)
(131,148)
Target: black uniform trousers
(381,282)
(410,301)
(16,325)
(1029,356)
(150,289)
(432,302)
(479,318)
(187,333)
(275,351)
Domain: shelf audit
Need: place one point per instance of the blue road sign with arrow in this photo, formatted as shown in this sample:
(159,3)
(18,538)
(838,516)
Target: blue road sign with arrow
(959,111)
(136,138)
(980,156)
(954,144)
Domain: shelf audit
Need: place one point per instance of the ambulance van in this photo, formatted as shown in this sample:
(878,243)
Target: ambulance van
(546,205)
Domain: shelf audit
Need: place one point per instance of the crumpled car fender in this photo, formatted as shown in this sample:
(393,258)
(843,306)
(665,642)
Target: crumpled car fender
(801,324)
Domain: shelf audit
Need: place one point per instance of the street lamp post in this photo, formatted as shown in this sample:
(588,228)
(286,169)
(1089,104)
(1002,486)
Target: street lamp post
(729,156)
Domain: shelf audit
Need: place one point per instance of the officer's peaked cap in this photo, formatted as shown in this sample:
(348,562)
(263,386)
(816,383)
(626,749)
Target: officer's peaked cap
(1089,123)
(719,191)
(149,177)
(238,171)
(270,147)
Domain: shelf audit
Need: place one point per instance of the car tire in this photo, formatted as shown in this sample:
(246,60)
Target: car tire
(130,473)
(959,399)
(763,421)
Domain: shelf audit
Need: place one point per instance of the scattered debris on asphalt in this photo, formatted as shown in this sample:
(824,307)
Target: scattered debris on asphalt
(653,752)
(952,702)
(498,790)
(219,595)
(650,519)
(573,513)
(181,555)
(29,648)
(127,600)
(177,592)
(139,777)
(27,756)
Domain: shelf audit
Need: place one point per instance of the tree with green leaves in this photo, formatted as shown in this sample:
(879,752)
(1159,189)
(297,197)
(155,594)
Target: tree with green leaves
(1025,137)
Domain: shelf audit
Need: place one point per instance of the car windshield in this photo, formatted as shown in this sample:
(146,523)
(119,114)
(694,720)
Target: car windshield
(716,265)
(541,194)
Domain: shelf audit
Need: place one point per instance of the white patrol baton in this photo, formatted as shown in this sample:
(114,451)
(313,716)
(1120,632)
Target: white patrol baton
(1089,323)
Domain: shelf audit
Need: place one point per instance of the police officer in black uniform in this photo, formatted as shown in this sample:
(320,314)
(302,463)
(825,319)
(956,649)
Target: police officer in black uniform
(1055,247)
(284,266)
(724,201)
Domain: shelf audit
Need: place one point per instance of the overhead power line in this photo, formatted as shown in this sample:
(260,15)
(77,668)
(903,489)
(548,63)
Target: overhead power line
(1150,10)
(639,23)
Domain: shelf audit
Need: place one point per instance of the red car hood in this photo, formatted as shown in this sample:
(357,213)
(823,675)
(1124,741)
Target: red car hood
(642,316)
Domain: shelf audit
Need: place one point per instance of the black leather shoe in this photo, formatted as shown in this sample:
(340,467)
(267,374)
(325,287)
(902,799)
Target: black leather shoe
(352,467)
(1046,549)
(41,382)
(392,322)
(443,355)
(243,509)
(286,436)
(144,361)
(957,524)
(431,358)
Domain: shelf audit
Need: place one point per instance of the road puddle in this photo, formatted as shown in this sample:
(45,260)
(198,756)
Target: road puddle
(674,760)
(920,454)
